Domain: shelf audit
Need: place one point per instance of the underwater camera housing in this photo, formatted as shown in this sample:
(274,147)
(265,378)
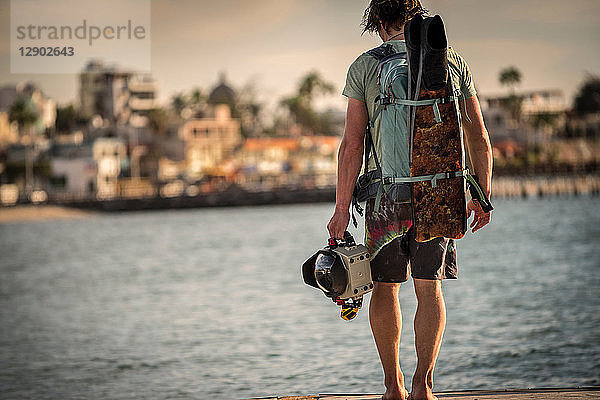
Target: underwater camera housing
(342,270)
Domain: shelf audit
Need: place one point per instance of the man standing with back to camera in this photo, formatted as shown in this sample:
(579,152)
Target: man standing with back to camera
(428,262)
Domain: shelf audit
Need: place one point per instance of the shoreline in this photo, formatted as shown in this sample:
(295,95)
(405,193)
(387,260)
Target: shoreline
(49,212)
(42,212)
(502,187)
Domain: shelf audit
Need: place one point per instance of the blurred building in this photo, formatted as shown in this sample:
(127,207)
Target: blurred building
(540,115)
(9,133)
(73,169)
(267,156)
(222,93)
(142,98)
(210,140)
(337,120)
(543,101)
(169,170)
(583,126)
(289,161)
(171,163)
(110,155)
(118,95)
(74,176)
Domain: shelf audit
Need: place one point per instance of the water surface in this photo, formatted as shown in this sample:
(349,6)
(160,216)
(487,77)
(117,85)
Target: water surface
(209,304)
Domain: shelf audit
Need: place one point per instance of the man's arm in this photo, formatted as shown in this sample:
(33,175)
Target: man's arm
(480,153)
(349,163)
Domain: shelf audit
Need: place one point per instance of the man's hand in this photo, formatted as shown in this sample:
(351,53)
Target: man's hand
(481,218)
(338,224)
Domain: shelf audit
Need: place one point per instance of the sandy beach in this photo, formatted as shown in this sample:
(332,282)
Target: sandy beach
(23,213)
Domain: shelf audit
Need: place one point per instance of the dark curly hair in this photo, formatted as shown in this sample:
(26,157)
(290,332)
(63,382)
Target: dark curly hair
(392,13)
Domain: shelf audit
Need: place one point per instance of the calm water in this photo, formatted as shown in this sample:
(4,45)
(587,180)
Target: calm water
(209,304)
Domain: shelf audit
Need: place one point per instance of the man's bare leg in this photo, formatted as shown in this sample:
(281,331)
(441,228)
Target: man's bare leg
(430,321)
(386,324)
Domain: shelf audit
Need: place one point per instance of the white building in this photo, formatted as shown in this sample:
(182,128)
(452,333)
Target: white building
(142,98)
(78,175)
(111,157)
(9,133)
(210,140)
(536,106)
(118,95)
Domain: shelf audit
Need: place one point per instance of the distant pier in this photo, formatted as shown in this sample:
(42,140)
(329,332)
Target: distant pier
(235,197)
(502,187)
(543,186)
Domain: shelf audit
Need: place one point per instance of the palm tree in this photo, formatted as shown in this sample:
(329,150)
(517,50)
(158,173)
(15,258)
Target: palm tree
(196,97)
(23,113)
(510,77)
(587,100)
(178,103)
(312,84)
(300,105)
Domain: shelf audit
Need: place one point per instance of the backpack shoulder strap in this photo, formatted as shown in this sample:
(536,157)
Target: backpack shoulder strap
(382,51)
(370,147)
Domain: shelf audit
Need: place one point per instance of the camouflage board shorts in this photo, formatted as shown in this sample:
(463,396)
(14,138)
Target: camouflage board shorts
(390,238)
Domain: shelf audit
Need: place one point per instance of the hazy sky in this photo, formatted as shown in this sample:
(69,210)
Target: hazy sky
(273,42)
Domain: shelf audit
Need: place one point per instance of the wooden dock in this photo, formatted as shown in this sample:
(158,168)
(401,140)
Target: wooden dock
(586,393)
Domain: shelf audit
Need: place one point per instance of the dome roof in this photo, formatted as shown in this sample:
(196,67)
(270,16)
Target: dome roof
(222,94)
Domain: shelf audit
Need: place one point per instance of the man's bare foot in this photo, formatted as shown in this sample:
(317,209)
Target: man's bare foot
(422,388)
(395,394)
(421,395)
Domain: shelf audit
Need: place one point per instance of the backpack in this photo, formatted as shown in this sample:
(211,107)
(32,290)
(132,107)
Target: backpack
(393,157)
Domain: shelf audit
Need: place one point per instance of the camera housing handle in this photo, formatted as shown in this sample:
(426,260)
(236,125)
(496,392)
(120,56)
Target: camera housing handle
(346,242)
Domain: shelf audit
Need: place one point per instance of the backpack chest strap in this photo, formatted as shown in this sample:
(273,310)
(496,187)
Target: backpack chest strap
(433,177)
(385,101)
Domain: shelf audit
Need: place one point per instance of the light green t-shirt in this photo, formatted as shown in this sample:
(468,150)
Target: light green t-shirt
(361,81)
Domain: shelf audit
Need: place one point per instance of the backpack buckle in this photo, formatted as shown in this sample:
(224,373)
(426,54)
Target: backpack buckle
(385,101)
